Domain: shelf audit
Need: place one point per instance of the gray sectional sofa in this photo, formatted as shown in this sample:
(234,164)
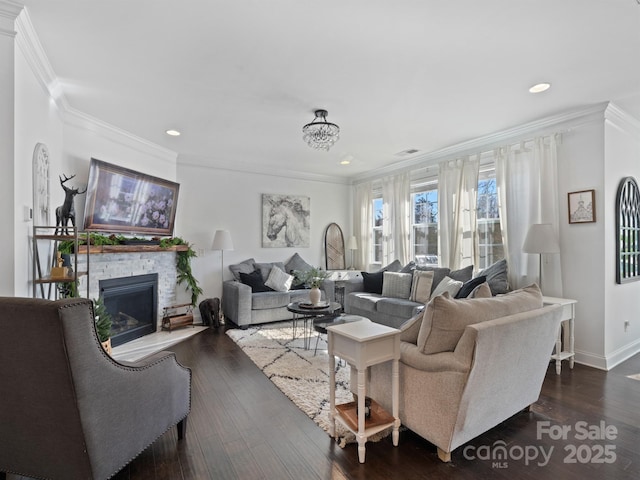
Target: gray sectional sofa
(246,301)
(392,307)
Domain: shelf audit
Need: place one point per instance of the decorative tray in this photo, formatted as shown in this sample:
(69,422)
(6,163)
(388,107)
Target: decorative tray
(311,306)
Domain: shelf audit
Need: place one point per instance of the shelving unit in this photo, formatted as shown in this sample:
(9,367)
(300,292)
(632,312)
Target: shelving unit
(44,285)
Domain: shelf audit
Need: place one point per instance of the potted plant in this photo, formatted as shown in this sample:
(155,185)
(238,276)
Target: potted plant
(103,323)
(312,279)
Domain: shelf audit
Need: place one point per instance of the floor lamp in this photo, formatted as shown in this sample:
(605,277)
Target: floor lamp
(222,241)
(352,245)
(541,239)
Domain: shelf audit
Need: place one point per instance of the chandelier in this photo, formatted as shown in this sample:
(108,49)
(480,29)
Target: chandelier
(321,134)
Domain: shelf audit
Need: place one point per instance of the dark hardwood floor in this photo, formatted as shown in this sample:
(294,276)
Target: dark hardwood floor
(242,427)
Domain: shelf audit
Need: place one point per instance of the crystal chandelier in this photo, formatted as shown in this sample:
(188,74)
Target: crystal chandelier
(321,134)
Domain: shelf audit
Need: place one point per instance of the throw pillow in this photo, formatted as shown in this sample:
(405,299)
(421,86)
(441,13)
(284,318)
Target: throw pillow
(245,266)
(372,282)
(421,286)
(265,268)
(481,291)
(296,263)
(255,281)
(469,286)
(438,274)
(462,275)
(279,280)
(394,266)
(409,267)
(448,285)
(497,277)
(396,285)
(445,318)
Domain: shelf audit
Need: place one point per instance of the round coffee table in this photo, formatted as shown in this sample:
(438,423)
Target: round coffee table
(307,312)
(320,324)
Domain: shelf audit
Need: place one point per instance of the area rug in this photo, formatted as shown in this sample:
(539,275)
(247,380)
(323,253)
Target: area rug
(302,375)
(634,377)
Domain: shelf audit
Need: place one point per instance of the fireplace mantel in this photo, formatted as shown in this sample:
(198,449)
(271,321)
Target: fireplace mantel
(131,248)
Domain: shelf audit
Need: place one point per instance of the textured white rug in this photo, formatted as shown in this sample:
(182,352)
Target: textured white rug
(634,377)
(298,373)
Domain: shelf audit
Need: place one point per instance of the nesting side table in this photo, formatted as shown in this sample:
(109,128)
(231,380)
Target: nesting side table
(362,344)
(567,320)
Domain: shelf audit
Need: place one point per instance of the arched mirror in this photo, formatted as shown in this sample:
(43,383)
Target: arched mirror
(334,247)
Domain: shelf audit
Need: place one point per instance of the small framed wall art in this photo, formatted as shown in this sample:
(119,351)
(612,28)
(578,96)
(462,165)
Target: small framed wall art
(582,206)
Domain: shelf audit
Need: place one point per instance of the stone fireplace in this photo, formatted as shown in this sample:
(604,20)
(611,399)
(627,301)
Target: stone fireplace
(130,264)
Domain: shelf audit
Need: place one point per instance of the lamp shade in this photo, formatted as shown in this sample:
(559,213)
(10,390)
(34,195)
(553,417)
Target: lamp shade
(352,244)
(222,240)
(541,239)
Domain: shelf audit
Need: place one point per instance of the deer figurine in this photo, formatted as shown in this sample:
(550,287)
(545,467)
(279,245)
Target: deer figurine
(66,212)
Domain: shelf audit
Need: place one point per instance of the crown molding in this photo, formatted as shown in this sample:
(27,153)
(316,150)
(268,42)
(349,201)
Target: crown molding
(9,11)
(540,127)
(622,119)
(198,161)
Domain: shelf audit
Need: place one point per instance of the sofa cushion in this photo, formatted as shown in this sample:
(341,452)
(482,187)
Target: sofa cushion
(255,281)
(364,301)
(445,318)
(469,286)
(245,266)
(397,307)
(296,262)
(268,300)
(279,280)
(448,285)
(438,274)
(462,275)
(396,285)
(497,277)
(265,268)
(372,282)
(421,286)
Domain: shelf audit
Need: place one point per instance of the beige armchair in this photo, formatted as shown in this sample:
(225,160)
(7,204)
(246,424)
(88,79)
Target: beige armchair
(69,411)
(467,365)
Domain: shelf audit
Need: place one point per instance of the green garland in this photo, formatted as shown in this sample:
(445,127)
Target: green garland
(183,258)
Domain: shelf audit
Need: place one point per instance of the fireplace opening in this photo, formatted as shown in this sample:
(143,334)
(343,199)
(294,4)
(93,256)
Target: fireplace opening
(133,305)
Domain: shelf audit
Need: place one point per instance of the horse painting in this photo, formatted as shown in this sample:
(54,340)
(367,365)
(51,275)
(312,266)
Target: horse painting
(285,221)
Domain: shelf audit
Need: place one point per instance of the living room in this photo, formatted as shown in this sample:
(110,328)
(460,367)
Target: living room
(600,145)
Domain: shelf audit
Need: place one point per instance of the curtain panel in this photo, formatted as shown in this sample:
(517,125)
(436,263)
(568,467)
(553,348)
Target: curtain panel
(363,224)
(396,226)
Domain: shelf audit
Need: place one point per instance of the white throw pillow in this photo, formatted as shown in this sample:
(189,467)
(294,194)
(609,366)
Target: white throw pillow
(447,285)
(396,285)
(279,280)
(421,286)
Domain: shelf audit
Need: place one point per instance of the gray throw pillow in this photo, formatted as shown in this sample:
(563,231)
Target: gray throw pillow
(245,266)
(396,285)
(462,275)
(497,277)
(296,263)
(394,266)
(265,268)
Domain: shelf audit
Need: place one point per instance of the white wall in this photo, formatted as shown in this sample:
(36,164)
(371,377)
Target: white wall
(213,199)
(580,167)
(621,302)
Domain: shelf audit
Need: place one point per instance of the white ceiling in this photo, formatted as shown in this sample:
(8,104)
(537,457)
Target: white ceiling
(239,78)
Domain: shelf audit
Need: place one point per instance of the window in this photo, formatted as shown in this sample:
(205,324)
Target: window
(376,247)
(490,247)
(628,231)
(424,228)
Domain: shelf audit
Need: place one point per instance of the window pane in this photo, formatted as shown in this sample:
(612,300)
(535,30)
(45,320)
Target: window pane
(425,226)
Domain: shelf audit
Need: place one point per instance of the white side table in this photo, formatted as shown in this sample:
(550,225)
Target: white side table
(362,344)
(567,326)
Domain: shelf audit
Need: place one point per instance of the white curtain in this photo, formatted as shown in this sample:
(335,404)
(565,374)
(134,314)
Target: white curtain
(363,224)
(457,202)
(527,180)
(396,226)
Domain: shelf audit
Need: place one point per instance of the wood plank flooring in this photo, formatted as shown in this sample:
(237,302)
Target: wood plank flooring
(242,427)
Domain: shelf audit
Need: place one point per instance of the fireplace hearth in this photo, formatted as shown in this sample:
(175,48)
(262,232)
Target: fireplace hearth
(133,305)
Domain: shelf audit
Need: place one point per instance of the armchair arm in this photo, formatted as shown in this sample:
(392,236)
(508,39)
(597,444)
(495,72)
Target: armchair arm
(329,287)
(236,302)
(435,362)
(353,285)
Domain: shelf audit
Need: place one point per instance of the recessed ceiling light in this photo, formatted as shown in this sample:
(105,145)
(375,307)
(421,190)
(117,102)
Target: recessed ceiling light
(173,133)
(346,159)
(540,87)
